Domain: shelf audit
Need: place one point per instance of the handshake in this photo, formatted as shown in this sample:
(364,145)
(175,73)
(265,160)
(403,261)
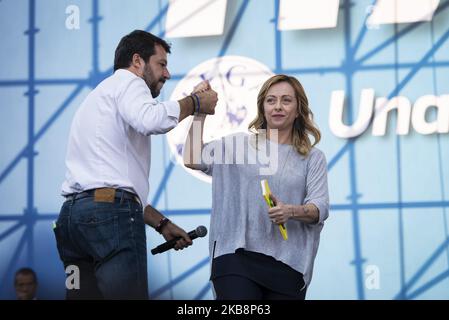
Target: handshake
(204,98)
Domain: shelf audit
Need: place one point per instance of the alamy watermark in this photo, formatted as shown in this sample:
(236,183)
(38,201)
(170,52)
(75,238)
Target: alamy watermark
(240,149)
(371,26)
(72,282)
(372,277)
(72,22)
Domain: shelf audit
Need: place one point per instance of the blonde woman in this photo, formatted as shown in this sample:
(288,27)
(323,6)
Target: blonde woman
(250,257)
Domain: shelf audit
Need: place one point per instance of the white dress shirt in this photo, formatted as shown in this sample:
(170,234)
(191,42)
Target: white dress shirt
(110,137)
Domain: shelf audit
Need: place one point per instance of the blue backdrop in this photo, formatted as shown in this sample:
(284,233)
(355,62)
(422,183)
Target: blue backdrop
(387,234)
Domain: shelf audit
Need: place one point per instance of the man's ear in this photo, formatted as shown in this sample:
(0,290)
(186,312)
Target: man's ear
(136,61)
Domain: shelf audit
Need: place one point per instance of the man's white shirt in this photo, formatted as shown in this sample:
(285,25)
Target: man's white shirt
(110,137)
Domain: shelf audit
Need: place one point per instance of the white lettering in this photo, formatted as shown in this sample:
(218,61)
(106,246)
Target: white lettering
(382,108)
(372,280)
(73,277)
(72,22)
(336,114)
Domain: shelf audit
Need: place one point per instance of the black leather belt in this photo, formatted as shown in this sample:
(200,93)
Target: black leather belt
(119,194)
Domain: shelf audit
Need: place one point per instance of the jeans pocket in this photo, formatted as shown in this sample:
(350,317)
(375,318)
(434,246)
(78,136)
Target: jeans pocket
(101,236)
(60,241)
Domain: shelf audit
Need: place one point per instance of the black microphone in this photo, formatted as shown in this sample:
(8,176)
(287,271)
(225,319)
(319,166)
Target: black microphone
(200,231)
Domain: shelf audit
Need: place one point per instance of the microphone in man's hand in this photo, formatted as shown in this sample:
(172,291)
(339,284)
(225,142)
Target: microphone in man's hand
(200,231)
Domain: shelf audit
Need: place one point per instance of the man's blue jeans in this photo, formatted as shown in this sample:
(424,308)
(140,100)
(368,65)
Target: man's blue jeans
(106,241)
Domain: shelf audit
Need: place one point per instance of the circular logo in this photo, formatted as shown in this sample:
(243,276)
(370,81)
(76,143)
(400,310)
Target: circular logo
(237,81)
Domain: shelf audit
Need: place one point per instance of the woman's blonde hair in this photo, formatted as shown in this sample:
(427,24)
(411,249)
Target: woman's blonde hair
(303,125)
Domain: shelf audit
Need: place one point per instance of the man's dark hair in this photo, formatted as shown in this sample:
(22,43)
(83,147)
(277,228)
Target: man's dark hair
(140,42)
(25,271)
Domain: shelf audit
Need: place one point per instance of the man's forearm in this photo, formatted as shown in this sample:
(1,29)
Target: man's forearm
(186,106)
(152,217)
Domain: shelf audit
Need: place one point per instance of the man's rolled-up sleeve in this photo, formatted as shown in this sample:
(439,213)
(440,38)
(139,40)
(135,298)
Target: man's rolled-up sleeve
(144,113)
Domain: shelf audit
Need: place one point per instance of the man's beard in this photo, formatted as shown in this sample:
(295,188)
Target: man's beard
(151,82)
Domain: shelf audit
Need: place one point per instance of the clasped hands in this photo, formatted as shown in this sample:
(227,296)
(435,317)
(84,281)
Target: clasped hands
(207,96)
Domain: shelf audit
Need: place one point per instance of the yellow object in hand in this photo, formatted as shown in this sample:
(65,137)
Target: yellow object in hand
(266,194)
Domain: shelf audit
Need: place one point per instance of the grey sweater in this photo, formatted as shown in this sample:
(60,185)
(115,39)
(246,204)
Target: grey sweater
(239,217)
